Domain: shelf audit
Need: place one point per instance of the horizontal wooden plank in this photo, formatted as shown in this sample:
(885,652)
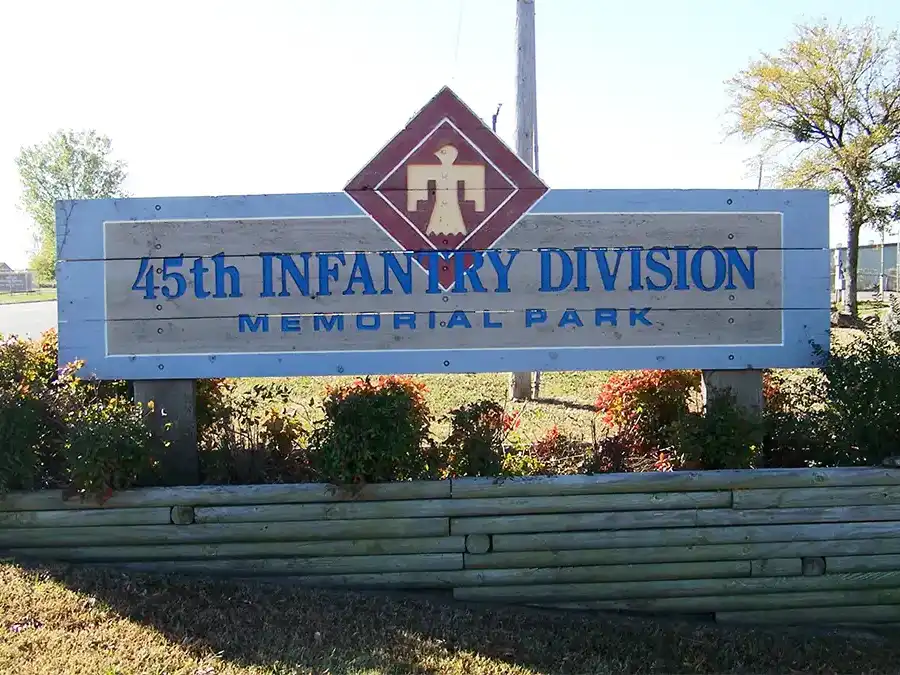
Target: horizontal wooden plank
(849,614)
(588,326)
(507,281)
(226,495)
(777,567)
(572,522)
(685,553)
(819,496)
(360,564)
(725,603)
(461,507)
(672,481)
(86,341)
(251,236)
(691,536)
(221,533)
(278,549)
(678,588)
(80,235)
(861,563)
(837,514)
(85,517)
(603,573)
(391,580)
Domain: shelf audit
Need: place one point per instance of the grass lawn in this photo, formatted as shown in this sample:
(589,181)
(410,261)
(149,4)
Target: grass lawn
(41,295)
(567,398)
(55,621)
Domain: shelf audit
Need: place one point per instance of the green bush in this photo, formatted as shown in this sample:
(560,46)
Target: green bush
(108,447)
(373,431)
(859,400)
(723,436)
(28,435)
(476,445)
(252,436)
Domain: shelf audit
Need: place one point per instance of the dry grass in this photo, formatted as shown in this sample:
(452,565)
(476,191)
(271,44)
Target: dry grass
(57,621)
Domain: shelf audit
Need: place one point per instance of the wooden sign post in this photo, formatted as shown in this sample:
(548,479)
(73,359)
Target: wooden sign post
(445,254)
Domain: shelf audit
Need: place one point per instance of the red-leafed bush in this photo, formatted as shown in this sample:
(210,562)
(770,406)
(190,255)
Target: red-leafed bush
(645,403)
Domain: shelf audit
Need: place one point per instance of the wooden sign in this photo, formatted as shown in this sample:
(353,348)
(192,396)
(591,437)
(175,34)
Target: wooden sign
(444,254)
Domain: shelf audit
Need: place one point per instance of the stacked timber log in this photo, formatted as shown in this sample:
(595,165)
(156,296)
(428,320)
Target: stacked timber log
(786,546)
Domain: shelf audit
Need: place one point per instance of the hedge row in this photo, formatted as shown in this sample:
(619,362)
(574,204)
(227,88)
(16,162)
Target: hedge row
(57,430)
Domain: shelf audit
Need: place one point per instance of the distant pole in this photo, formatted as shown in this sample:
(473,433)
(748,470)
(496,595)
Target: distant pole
(881,270)
(526,113)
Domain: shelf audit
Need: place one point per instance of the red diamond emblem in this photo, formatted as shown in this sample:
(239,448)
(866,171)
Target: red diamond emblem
(446,183)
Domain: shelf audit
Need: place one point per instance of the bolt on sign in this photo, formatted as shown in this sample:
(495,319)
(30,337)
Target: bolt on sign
(445,253)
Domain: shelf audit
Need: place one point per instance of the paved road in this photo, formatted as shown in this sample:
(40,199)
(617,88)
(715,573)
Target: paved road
(27,319)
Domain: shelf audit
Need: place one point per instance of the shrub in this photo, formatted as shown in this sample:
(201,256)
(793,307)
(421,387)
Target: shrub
(28,435)
(722,436)
(252,436)
(860,399)
(373,431)
(476,443)
(108,447)
(646,402)
(558,453)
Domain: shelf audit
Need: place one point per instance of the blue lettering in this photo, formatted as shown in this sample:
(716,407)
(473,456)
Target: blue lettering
(177,277)
(458,318)
(197,271)
(460,272)
(681,268)
(145,271)
(289,269)
(360,274)
(502,269)
(361,323)
(221,271)
(403,276)
(570,318)
(609,316)
(697,269)
(323,321)
(405,319)
(488,323)
(268,290)
(636,315)
(547,285)
(253,324)
(746,270)
(290,324)
(432,320)
(636,284)
(328,272)
(533,316)
(581,284)
(606,274)
(654,265)
(434,259)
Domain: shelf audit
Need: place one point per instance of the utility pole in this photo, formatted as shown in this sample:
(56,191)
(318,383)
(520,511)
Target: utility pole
(526,114)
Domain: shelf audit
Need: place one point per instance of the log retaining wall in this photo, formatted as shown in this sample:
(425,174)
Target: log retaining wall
(755,546)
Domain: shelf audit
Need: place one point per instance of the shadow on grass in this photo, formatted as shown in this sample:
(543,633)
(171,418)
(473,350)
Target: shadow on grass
(287,629)
(569,405)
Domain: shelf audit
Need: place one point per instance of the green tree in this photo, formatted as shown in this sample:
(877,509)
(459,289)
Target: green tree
(827,109)
(68,165)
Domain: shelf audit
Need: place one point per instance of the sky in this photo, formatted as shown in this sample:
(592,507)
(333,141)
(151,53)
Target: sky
(277,96)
